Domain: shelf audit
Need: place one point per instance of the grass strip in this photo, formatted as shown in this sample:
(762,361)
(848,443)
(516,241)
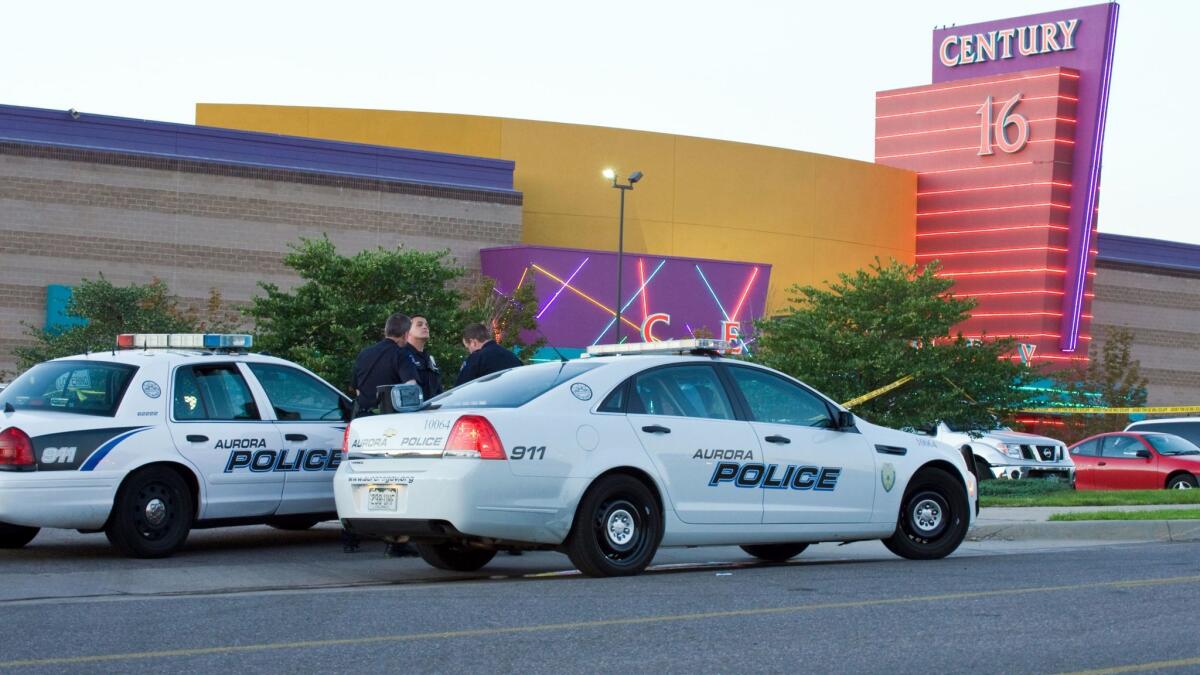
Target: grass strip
(1156,514)
(1053,493)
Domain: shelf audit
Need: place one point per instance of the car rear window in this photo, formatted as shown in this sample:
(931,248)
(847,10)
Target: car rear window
(511,388)
(1169,444)
(80,387)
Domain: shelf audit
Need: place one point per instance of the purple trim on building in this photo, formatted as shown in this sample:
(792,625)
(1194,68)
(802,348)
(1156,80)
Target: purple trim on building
(246,148)
(1170,255)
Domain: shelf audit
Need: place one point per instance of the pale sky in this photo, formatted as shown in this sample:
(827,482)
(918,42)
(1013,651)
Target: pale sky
(798,75)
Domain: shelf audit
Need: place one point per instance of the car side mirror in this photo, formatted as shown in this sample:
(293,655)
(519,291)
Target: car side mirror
(398,398)
(845,419)
(1144,453)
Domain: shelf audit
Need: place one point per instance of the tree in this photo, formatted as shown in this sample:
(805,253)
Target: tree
(109,310)
(1111,379)
(512,318)
(880,324)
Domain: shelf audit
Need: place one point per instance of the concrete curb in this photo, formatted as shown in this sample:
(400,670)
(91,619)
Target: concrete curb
(1091,530)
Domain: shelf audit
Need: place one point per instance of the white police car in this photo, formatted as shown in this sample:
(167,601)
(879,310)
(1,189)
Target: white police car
(608,458)
(165,434)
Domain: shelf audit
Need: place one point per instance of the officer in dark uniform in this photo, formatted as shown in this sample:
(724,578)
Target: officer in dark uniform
(428,375)
(486,357)
(381,364)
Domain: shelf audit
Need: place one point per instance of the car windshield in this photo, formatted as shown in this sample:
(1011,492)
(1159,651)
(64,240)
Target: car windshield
(511,388)
(964,428)
(80,387)
(1167,444)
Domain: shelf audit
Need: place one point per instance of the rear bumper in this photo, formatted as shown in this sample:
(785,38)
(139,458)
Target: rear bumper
(65,499)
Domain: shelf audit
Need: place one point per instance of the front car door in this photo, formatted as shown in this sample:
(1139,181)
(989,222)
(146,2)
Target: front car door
(1120,468)
(216,425)
(815,473)
(309,414)
(686,422)
(1086,455)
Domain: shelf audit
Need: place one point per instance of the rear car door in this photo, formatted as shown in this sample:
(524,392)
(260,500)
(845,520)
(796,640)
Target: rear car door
(1120,468)
(1086,455)
(216,425)
(686,422)
(309,415)
(815,473)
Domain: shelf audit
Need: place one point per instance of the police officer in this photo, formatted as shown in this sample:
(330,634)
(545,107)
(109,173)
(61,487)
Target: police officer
(381,364)
(484,355)
(428,375)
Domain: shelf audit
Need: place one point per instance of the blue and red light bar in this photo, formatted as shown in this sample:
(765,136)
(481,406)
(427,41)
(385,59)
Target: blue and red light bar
(184,341)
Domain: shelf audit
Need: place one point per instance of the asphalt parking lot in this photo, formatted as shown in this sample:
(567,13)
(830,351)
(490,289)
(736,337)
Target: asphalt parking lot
(258,600)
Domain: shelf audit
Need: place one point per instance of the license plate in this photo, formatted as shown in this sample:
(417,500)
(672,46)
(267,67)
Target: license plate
(382,499)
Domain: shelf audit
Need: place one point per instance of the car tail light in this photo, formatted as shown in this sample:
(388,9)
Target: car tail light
(474,436)
(15,448)
(346,443)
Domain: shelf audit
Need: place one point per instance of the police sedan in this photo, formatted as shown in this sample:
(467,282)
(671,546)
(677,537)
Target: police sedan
(164,434)
(666,444)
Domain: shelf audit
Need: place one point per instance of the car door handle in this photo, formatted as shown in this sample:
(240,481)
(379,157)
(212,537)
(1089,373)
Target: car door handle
(295,437)
(656,429)
(197,438)
(778,439)
(1101,463)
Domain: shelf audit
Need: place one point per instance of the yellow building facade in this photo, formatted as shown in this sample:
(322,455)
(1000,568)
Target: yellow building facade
(809,216)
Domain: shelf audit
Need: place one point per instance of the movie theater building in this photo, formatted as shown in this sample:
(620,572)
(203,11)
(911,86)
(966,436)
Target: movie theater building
(991,169)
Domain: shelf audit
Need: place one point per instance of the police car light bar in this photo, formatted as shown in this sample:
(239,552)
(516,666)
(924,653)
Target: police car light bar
(662,347)
(184,341)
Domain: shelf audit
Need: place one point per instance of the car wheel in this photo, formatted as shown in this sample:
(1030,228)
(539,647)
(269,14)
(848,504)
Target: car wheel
(934,516)
(16,536)
(983,470)
(293,523)
(152,514)
(1184,481)
(455,557)
(775,552)
(617,528)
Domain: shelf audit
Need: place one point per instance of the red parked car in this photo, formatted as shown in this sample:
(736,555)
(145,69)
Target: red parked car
(1135,461)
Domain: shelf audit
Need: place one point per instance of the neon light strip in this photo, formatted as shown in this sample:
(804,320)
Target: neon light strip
(993,229)
(565,284)
(719,305)
(1016,271)
(522,281)
(1053,358)
(1068,120)
(989,315)
(992,187)
(971,147)
(645,296)
(583,295)
(745,292)
(996,208)
(974,168)
(628,303)
(978,84)
(980,336)
(994,250)
(1037,291)
(1075,286)
(975,105)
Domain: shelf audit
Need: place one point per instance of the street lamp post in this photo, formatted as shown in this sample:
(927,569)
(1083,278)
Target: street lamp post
(623,187)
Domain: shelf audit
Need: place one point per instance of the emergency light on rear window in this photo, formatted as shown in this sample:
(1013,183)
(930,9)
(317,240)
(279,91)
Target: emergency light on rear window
(662,347)
(184,341)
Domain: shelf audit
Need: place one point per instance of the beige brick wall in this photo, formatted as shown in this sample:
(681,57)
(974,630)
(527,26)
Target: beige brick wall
(66,216)
(1163,311)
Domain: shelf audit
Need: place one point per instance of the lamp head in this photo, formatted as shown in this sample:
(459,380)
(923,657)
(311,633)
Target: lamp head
(609,174)
(635,177)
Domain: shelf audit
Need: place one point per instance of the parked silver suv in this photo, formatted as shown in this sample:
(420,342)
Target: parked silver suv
(1186,427)
(1003,453)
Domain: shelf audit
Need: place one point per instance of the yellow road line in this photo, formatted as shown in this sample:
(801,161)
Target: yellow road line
(579,625)
(1140,667)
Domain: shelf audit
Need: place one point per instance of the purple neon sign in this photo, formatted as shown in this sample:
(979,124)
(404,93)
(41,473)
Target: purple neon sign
(1082,39)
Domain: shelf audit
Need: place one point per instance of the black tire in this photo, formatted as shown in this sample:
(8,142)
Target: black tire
(1184,481)
(775,552)
(455,557)
(293,523)
(934,516)
(617,528)
(152,514)
(983,470)
(16,536)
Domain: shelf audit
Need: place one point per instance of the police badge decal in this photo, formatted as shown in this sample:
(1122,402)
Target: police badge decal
(888,475)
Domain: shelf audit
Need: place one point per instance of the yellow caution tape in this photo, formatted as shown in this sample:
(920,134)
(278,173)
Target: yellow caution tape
(878,392)
(1116,411)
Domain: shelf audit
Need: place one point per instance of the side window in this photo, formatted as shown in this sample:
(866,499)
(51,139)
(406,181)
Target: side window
(1121,446)
(777,401)
(681,391)
(295,395)
(615,402)
(213,392)
(1089,449)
